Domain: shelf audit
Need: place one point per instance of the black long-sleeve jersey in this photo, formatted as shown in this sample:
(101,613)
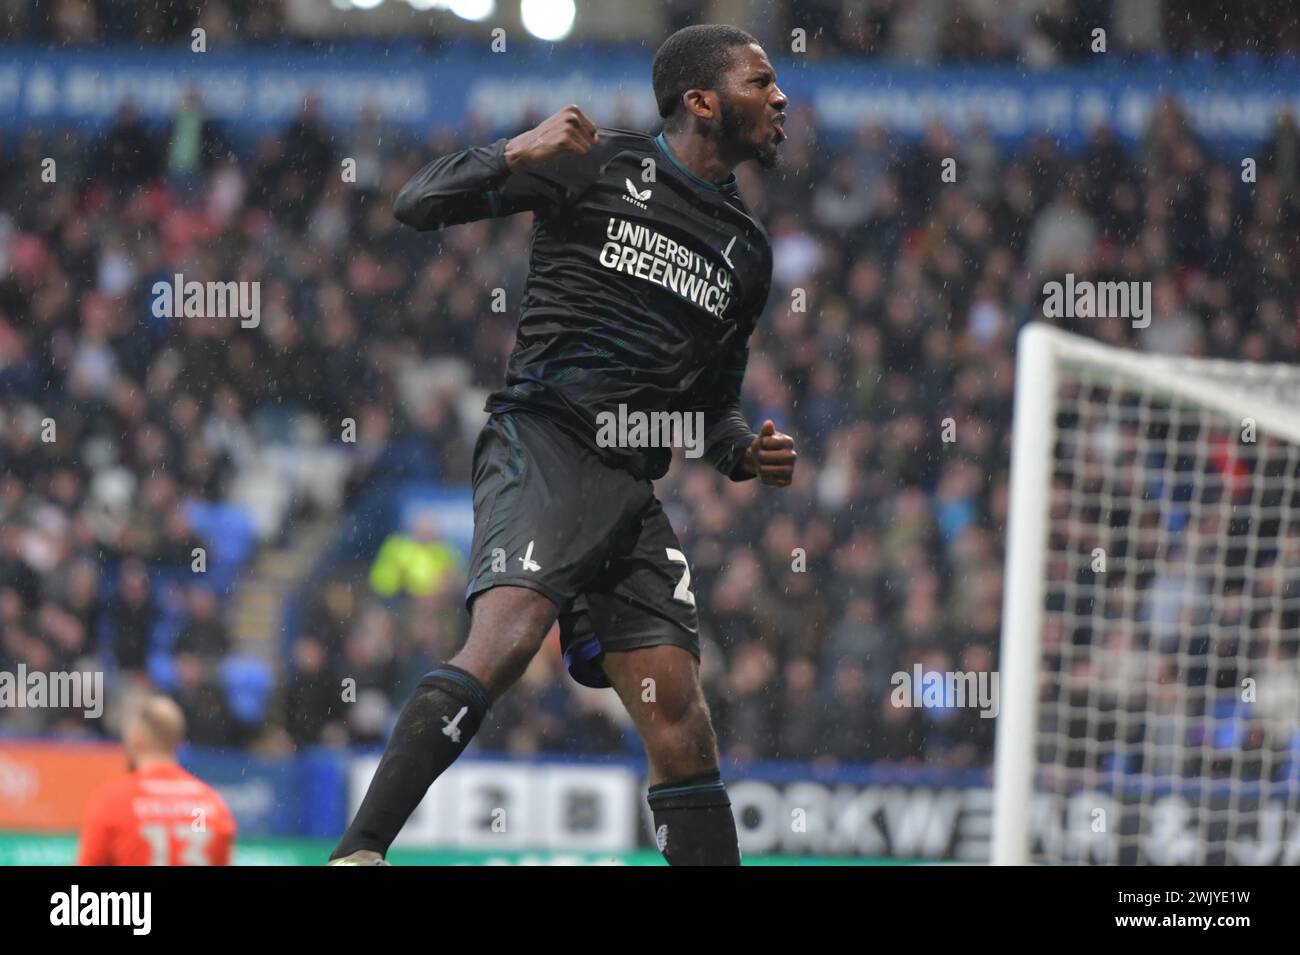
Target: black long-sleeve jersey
(644,284)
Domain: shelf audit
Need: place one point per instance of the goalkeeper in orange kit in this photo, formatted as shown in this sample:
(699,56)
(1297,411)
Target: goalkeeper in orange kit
(158,814)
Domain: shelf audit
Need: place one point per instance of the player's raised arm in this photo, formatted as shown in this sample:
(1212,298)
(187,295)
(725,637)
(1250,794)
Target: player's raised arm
(511,175)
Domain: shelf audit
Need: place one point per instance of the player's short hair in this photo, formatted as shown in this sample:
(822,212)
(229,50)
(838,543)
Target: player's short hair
(693,58)
(162,721)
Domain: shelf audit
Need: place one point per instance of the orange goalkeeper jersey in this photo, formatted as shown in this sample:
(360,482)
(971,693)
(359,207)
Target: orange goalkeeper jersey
(158,815)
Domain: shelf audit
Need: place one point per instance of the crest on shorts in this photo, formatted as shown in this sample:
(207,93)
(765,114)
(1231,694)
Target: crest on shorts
(661,837)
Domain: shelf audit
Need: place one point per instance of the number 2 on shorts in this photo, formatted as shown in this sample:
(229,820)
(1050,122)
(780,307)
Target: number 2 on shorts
(683,591)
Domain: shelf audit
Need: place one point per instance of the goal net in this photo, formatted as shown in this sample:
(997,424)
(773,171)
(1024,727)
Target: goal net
(1150,689)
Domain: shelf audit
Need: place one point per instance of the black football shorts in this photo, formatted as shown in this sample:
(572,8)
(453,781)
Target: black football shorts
(551,515)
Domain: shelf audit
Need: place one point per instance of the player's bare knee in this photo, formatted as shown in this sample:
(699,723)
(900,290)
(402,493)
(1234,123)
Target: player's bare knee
(682,746)
(507,627)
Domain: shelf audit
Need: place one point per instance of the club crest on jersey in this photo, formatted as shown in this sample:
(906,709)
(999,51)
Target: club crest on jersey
(635,197)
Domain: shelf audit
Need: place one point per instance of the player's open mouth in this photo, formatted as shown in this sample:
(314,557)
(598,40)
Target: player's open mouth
(779,126)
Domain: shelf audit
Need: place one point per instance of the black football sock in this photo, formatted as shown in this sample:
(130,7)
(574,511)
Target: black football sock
(693,821)
(434,728)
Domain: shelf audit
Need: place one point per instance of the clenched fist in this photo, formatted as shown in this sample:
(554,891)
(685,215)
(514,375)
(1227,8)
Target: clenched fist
(569,131)
(771,457)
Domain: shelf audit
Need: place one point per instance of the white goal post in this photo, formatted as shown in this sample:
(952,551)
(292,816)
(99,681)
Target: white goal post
(1150,687)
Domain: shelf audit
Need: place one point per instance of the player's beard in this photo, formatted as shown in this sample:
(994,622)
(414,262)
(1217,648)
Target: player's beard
(734,128)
